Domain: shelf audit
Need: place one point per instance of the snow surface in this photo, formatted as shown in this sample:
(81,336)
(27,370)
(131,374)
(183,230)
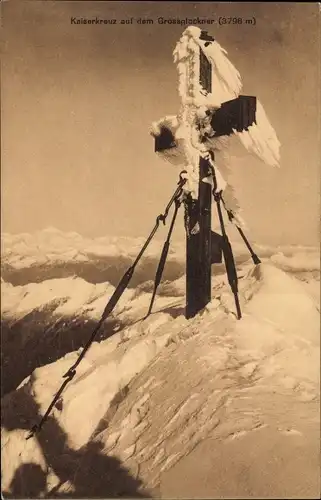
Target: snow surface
(149,395)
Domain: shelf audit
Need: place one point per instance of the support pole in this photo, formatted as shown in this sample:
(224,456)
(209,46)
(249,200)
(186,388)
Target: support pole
(198,227)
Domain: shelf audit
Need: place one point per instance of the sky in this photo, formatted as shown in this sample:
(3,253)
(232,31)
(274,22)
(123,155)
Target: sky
(78,102)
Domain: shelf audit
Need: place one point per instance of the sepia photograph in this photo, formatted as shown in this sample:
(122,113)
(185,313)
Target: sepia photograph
(160,249)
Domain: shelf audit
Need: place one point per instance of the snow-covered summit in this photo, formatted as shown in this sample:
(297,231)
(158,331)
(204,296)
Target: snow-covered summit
(157,389)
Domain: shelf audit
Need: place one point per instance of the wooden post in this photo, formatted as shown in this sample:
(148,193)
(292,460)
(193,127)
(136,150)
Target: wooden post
(198,227)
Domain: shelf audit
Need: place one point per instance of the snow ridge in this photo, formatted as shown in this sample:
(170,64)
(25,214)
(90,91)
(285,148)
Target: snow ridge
(155,390)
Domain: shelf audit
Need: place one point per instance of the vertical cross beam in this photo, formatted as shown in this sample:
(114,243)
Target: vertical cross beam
(198,227)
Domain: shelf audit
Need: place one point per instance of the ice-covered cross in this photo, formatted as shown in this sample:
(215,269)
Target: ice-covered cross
(211,107)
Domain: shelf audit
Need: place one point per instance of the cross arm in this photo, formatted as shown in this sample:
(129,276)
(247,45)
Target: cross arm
(238,114)
(235,115)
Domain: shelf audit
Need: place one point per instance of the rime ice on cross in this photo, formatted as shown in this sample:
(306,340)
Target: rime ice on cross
(211,107)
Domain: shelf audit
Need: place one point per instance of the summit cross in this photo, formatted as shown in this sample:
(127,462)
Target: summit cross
(182,139)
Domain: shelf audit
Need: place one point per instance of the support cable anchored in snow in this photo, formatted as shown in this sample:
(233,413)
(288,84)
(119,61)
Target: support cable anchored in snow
(228,257)
(69,375)
(163,257)
(231,217)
